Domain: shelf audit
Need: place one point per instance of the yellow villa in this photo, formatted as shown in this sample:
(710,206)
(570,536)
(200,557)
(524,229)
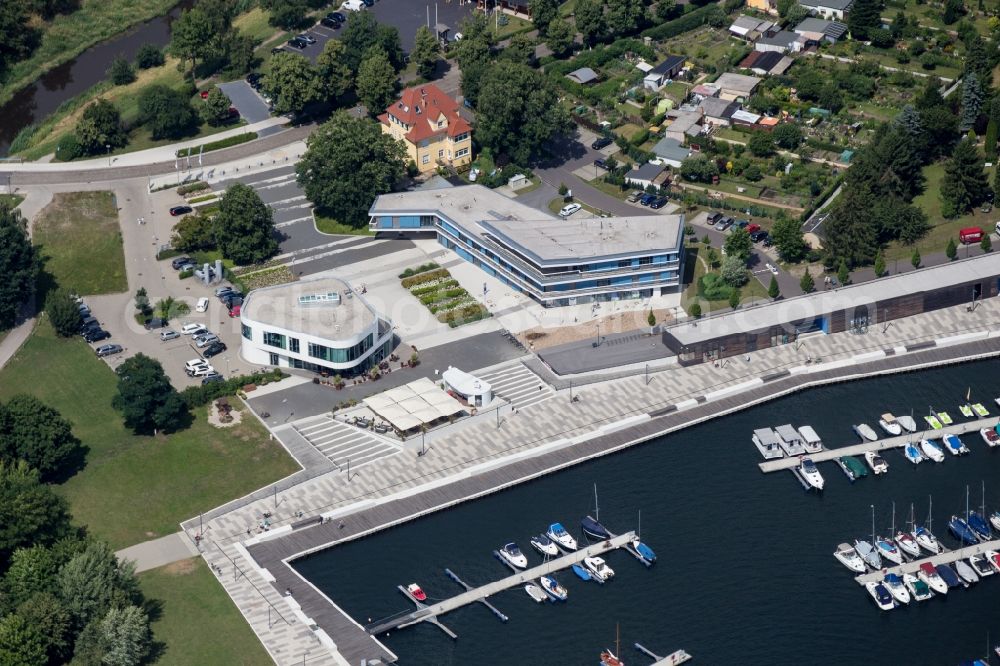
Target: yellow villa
(428,123)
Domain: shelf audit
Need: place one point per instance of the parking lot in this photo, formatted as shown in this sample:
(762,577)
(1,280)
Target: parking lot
(249,103)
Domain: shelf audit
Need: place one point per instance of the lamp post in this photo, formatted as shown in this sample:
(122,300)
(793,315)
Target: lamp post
(108,146)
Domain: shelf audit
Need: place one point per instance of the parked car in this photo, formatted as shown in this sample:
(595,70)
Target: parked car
(724,224)
(232,301)
(180,210)
(213,349)
(154,323)
(169,334)
(108,350)
(758,235)
(307,38)
(205,340)
(194,363)
(569,209)
(647,199)
(297,43)
(635,196)
(193,329)
(202,371)
(767,242)
(84,310)
(253,78)
(212,377)
(338,16)
(202,305)
(742,224)
(602,142)
(177,262)
(235,311)
(753,228)
(713,217)
(222,291)
(600,164)
(96,335)
(772,268)
(277,49)
(328,22)
(658,203)
(88,323)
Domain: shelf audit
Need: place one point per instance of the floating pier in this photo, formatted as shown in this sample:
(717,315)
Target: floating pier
(430,612)
(882,444)
(678,657)
(941,558)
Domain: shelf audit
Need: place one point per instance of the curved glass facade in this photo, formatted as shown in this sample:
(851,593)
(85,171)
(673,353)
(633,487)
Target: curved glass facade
(336,355)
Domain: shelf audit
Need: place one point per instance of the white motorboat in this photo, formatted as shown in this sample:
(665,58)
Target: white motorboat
(993,557)
(561,537)
(931,450)
(881,596)
(896,588)
(513,556)
(907,422)
(995,520)
(789,440)
(865,431)
(954,445)
(889,423)
(849,557)
(981,565)
(868,553)
(553,588)
(918,588)
(544,545)
(907,544)
(767,443)
(807,468)
(810,440)
(536,593)
(932,578)
(598,567)
(876,462)
(888,550)
(966,572)
(990,436)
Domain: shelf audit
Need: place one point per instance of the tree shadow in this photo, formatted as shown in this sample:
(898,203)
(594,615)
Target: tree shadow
(72,464)
(564,148)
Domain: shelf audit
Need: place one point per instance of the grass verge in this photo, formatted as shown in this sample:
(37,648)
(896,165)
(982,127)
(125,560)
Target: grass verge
(137,488)
(217,145)
(81,243)
(194,622)
(328,225)
(11,200)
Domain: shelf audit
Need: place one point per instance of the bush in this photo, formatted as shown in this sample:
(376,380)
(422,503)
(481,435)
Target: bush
(149,56)
(690,21)
(68,148)
(419,269)
(695,310)
(464,315)
(121,72)
(712,287)
(63,312)
(197,186)
(221,143)
(195,396)
(424,277)
(22,140)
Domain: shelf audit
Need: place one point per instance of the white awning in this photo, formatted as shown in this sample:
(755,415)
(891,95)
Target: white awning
(420,402)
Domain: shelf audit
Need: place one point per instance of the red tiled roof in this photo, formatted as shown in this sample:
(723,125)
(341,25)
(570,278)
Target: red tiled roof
(420,107)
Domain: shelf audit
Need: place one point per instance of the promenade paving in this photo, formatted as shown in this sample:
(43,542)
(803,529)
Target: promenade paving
(480,445)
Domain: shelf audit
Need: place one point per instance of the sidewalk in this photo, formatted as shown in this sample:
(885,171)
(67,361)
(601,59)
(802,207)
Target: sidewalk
(159,552)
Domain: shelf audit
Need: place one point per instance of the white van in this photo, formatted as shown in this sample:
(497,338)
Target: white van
(353,5)
(202,304)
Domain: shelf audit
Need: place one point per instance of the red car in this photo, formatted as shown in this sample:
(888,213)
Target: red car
(235,311)
(204,94)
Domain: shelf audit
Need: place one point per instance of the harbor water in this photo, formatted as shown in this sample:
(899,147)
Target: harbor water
(745,571)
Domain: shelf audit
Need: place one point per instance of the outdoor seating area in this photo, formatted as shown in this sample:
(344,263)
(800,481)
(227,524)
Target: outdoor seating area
(413,406)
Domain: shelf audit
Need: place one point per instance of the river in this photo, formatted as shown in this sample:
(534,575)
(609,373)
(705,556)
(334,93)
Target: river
(38,100)
(745,572)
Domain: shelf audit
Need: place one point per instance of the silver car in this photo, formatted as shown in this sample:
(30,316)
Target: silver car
(169,334)
(205,339)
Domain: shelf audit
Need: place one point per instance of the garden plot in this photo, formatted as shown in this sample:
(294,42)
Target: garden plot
(440,293)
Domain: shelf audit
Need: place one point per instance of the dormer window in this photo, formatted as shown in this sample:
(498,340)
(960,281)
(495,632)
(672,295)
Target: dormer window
(440,124)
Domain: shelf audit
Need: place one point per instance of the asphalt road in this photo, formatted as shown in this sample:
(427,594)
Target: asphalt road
(613,351)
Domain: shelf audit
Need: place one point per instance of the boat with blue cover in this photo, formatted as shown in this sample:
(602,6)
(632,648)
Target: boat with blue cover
(931,450)
(896,588)
(913,454)
(954,445)
(553,588)
(561,537)
(961,530)
(591,524)
(980,526)
(948,575)
(582,573)
(644,551)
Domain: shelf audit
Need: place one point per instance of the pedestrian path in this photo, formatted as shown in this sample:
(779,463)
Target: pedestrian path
(342,443)
(518,385)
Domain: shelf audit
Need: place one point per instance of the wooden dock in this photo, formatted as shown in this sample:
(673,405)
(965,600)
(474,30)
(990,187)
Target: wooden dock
(940,558)
(900,441)
(430,612)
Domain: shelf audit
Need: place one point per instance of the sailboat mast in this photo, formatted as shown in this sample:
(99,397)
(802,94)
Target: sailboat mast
(638,531)
(967,503)
(892,530)
(873,523)
(930,512)
(597,510)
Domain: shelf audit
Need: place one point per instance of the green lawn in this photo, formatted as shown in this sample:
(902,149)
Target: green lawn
(194,621)
(68,35)
(81,243)
(137,488)
(328,225)
(11,200)
(254,24)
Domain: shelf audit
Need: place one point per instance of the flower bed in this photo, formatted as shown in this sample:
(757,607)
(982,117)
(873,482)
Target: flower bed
(442,295)
(267,278)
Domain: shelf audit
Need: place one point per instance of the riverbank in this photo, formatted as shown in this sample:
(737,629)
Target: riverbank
(67,36)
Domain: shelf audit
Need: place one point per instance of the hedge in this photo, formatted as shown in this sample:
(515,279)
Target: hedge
(424,277)
(419,269)
(196,186)
(464,315)
(217,145)
(690,21)
(195,396)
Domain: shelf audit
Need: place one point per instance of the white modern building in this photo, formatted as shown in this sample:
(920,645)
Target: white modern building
(320,325)
(472,390)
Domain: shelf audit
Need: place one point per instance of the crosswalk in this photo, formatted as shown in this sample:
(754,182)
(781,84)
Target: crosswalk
(518,385)
(341,442)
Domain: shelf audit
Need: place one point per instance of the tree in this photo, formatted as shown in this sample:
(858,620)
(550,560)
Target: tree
(953,10)
(951,250)
(589,18)
(244,226)
(215,110)
(559,37)
(787,135)
(850,229)
(666,10)
(149,55)
(986,245)
(166,112)
(787,236)
(761,144)
(964,185)
(21,643)
(142,301)
(121,72)
(972,102)
(940,131)
(193,36)
(864,19)
(520,49)
(474,55)
(18,264)
(543,12)
(915,258)
(879,264)
(518,112)
(425,52)
(18,38)
(625,16)
(194,233)
(738,244)
(94,581)
(842,273)
(348,162)
(145,397)
(287,14)
(651,320)
(100,126)
(734,271)
(63,313)
(699,168)
(292,82)
(977,58)
(734,299)
(45,613)
(126,638)
(773,290)
(30,512)
(806,283)
(239,51)
(695,310)
(990,141)
(33,432)
(335,76)
(376,83)
(32,571)
(363,33)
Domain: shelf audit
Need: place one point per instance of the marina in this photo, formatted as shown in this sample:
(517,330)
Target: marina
(913,566)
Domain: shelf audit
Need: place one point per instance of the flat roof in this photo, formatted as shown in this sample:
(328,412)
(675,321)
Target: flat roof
(738,82)
(308,307)
(810,306)
(592,239)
